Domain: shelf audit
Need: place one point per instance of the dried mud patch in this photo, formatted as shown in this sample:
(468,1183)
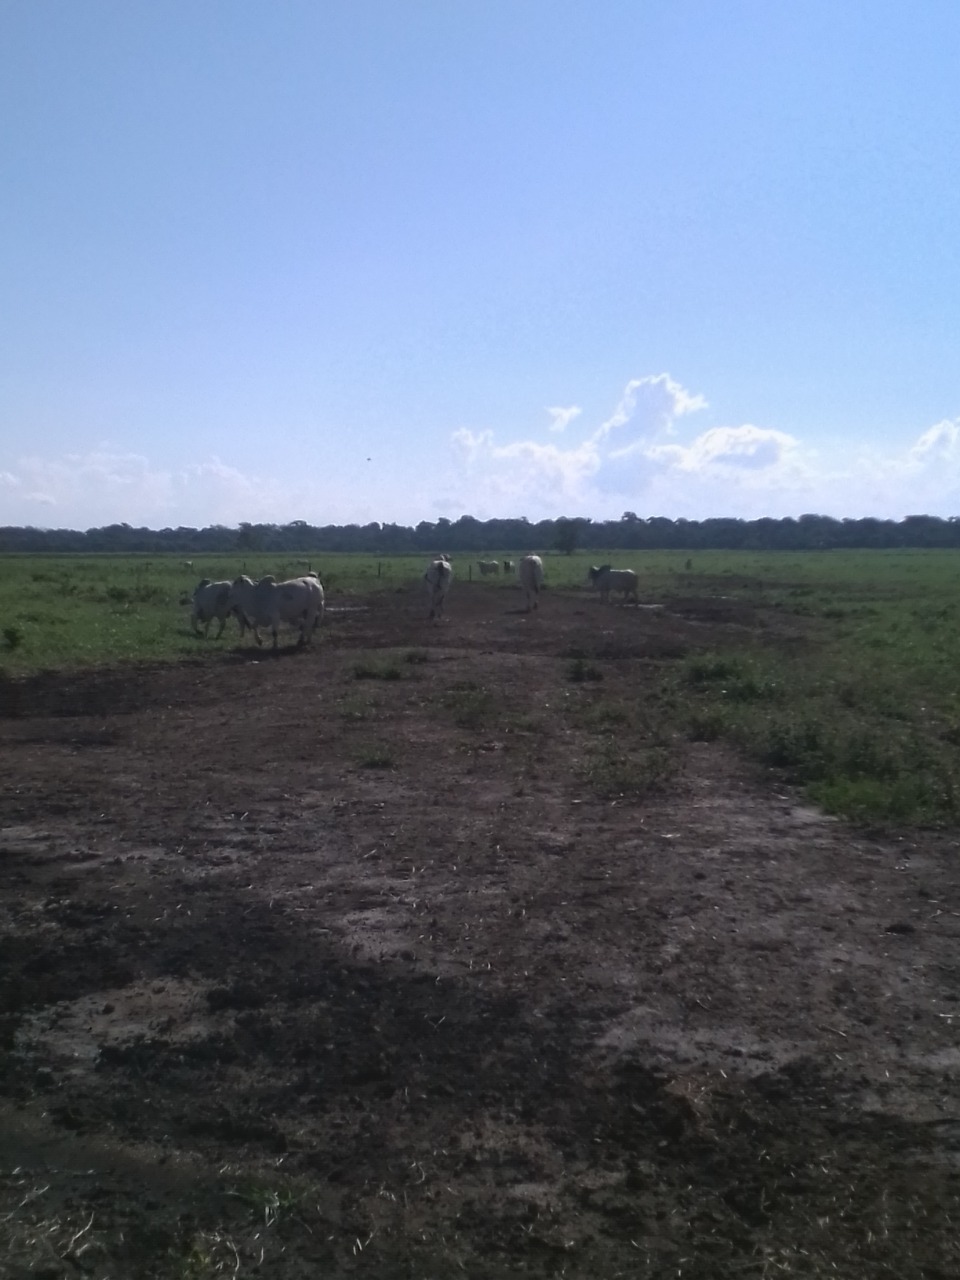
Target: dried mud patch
(267,1010)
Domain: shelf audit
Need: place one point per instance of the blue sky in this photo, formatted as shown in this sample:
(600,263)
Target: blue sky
(395,259)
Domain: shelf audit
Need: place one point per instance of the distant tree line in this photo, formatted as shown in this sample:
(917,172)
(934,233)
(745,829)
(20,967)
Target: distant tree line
(630,533)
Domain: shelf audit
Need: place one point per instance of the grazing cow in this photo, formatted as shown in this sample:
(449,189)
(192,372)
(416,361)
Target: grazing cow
(609,579)
(210,600)
(531,580)
(488,566)
(438,578)
(268,603)
(508,566)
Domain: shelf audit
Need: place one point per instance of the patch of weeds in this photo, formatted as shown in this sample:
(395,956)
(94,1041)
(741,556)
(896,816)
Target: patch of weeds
(356,708)
(602,716)
(524,722)
(707,725)
(870,799)
(200,1259)
(366,670)
(470,703)
(375,756)
(786,742)
(13,636)
(416,657)
(613,770)
(752,688)
(739,681)
(709,667)
(269,1203)
(581,670)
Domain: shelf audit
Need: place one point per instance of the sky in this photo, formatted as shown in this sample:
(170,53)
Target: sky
(365,260)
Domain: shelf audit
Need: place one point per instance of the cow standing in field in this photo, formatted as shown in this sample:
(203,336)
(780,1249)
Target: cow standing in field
(438,579)
(508,566)
(210,600)
(488,566)
(609,579)
(531,580)
(297,602)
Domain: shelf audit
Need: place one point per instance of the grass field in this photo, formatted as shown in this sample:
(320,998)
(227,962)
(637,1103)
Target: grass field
(848,681)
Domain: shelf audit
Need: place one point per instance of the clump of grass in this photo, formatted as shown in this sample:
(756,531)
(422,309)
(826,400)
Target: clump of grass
(707,725)
(738,678)
(871,799)
(356,707)
(580,670)
(416,657)
(13,636)
(471,704)
(707,668)
(606,715)
(366,670)
(615,771)
(524,722)
(375,756)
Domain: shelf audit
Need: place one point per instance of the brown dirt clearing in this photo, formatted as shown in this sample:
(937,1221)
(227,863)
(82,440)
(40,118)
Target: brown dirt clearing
(351,961)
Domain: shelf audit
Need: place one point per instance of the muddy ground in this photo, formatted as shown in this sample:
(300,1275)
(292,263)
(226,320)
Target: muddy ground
(353,961)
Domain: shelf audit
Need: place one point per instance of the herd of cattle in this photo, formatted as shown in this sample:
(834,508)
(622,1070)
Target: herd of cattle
(299,602)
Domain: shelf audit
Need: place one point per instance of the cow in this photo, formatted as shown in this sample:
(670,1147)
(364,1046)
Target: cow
(268,603)
(438,578)
(210,600)
(508,566)
(531,579)
(609,579)
(488,566)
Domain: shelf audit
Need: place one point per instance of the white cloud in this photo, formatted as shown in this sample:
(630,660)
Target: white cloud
(641,457)
(652,404)
(81,490)
(563,417)
(743,448)
(938,446)
(636,459)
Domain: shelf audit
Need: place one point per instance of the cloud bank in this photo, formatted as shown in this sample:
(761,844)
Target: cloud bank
(646,455)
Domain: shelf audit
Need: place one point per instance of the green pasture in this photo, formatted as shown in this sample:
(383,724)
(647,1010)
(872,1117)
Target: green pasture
(847,683)
(61,611)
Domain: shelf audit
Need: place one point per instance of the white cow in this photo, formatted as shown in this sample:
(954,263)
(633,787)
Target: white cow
(210,600)
(268,603)
(488,566)
(531,579)
(438,578)
(609,579)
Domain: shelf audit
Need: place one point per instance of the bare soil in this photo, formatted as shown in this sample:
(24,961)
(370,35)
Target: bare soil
(351,961)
